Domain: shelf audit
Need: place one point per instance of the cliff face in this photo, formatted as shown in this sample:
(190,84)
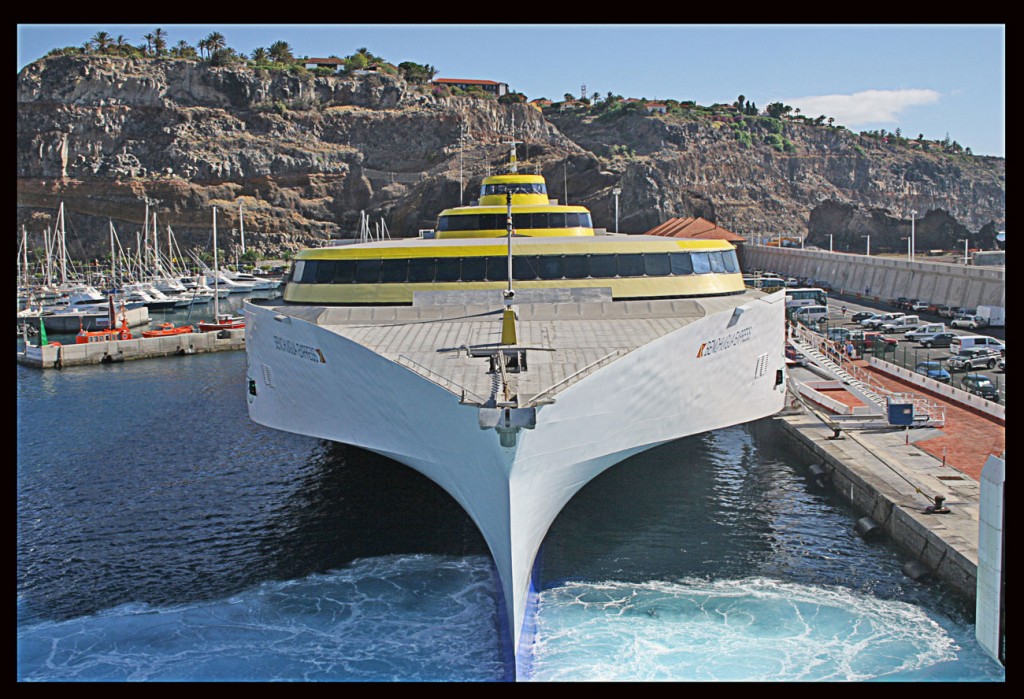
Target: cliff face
(305,156)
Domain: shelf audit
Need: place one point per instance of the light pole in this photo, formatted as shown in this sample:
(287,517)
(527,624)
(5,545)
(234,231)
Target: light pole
(869,244)
(913,215)
(830,242)
(616,192)
(965,250)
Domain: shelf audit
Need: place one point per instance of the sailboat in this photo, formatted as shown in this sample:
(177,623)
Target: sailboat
(221,321)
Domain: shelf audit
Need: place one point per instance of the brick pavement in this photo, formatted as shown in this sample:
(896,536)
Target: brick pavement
(967,438)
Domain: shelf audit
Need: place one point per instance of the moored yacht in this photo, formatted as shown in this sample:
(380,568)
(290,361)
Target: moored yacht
(512,356)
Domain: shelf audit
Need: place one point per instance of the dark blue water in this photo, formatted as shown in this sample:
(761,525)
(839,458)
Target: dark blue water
(164,536)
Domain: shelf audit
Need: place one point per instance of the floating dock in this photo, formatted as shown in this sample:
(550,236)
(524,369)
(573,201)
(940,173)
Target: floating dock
(61,356)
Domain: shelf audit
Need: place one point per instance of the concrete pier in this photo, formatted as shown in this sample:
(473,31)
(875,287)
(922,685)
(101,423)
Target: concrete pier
(62,356)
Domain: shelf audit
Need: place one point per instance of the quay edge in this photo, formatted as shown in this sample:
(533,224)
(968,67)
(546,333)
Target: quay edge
(62,356)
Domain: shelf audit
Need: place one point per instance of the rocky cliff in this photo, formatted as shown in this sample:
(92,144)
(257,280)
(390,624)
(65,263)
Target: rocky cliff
(306,156)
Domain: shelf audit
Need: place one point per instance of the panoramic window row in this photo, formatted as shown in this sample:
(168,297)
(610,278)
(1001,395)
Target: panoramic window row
(524,268)
(489,222)
(514,188)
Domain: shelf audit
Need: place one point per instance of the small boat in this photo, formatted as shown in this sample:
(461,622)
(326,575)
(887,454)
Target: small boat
(168,329)
(87,336)
(224,321)
(111,333)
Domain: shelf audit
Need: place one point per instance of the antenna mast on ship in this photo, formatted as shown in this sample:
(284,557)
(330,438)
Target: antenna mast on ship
(512,165)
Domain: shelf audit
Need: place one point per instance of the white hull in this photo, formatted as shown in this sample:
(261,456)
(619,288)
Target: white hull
(716,371)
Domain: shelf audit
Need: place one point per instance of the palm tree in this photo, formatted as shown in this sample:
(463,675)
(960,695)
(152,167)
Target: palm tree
(101,41)
(281,52)
(203,46)
(149,42)
(183,50)
(259,55)
(215,42)
(159,41)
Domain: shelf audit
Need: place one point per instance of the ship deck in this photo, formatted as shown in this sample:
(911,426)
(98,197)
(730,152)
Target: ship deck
(447,340)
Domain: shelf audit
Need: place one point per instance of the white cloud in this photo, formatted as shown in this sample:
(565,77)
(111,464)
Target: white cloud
(867,107)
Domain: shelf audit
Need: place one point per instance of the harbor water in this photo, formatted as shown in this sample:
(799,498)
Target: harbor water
(163,536)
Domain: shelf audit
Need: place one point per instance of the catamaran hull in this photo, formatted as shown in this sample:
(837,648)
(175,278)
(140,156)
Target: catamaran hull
(723,369)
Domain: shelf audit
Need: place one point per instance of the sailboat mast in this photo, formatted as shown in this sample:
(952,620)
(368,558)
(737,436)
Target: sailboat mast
(63,248)
(216,271)
(241,227)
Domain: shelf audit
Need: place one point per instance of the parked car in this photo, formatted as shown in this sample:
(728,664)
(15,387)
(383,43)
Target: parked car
(924,330)
(937,339)
(919,306)
(900,325)
(901,302)
(949,311)
(878,319)
(871,339)
(862,315)
(838,334)
(980,385)
(933,370)
(967,322)
(973,358)
(1002,363)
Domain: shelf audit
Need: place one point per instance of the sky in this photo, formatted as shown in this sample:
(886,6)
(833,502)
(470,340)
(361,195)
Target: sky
(935,80)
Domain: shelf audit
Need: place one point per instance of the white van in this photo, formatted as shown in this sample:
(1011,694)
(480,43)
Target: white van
(962,342)
(811,314)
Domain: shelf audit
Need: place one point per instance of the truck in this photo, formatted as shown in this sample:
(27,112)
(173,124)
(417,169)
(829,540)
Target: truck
(991,316)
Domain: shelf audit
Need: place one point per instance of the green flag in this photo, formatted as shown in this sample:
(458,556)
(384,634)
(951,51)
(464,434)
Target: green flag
(42,333)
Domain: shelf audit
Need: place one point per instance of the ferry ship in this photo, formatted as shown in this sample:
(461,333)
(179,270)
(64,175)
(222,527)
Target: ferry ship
(512,355)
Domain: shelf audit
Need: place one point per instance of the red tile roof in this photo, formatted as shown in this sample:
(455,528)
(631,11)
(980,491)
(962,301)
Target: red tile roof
(467,82)
(691,227)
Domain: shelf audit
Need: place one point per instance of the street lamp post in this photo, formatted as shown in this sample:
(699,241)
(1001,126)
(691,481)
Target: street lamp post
(616,192)
(869,244)
(830,242)
(965,250)
(913,215)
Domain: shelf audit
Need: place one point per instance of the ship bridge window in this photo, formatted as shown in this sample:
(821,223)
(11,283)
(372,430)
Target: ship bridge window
(552,267)
(394,271)
(473,269)
(603,266)
(731,263)
(517,188)
(325,272)
(577,266)
(299,272)
(497,269)
(656,264)
(367,271)
(344,271)
(717,264)
(449,269)
(421,269)
(525,267)
(681,262)
(701,263)
(631,265)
